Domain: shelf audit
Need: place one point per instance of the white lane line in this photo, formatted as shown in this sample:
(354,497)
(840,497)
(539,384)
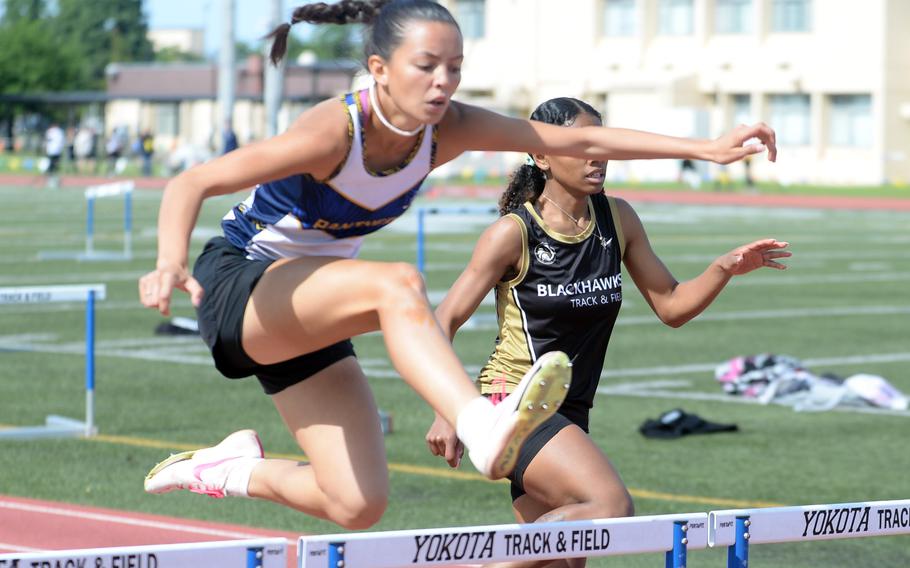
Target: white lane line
(122,520)
(486,322)
(843,278)
(789,313)
(17,548)
(383,369)
(670,370)
(725,398)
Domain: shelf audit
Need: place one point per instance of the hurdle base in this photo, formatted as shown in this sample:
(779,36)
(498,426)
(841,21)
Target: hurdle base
(54,427)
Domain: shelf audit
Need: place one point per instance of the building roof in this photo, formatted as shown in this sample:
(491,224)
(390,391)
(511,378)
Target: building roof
(182,81)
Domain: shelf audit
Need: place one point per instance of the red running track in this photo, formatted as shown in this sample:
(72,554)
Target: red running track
(30,525)
(900,203)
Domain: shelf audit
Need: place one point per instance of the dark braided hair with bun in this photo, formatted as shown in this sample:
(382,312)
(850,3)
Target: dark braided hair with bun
(528,181)
(385,22)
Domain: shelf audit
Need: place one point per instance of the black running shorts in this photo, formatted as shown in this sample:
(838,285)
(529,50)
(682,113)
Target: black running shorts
(228,278)
(532,446)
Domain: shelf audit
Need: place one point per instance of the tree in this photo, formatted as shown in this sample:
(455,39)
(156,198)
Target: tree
(23,10)
(32,57)
(330,42)
(101,32)
(173,54)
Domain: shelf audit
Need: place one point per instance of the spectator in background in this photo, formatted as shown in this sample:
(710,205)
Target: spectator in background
(688,174)
(115,147)
(228,138)
(146,150)
(747,171)
(71,149)
(54,143)
(84,149)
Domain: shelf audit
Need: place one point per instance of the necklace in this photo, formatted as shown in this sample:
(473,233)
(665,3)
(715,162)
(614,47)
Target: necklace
(603,242)
(385,122)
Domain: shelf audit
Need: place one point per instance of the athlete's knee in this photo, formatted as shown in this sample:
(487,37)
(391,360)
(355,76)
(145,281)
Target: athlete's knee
(359,511)
(613,506)
(403,282)
(409,277)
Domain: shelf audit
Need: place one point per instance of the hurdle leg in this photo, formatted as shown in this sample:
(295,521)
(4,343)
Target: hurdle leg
(421,236)
(738,553)
(90,364)
(336,554)
(128,225)
(90,227)
(676,558)
(254,557)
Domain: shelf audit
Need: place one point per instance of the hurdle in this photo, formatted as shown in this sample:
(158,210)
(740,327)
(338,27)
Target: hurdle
(670,534)
(251,553)
(124,188)
(738,529)
(59,426)
(422,213)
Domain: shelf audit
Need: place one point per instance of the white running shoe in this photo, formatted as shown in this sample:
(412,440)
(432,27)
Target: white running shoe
(207,471)
(535,399)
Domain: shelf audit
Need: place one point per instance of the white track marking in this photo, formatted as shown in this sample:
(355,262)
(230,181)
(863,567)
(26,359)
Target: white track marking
(16,548)
(124,520)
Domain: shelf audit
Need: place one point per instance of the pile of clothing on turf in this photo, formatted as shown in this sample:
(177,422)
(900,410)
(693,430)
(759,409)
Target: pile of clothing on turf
(783,379)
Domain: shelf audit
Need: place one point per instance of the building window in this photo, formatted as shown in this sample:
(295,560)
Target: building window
(620,18)
(675,17)
(850,121)
(733,17)
(167,119)
(791,15)
(789,115)
(470,16)
(742,110)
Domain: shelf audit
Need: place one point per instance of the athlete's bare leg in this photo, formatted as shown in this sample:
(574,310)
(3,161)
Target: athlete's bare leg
(304,304)
(569,479)
(333,417)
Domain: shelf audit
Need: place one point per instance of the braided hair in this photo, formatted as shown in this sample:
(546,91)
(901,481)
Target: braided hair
(527,182)
(385,22)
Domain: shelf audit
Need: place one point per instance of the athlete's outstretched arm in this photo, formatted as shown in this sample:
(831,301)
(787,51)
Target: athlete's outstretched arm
(496,255)
(676,303)
(314,144)
(467,127)
(497,252)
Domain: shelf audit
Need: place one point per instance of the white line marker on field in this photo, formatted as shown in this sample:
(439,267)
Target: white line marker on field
(123,520)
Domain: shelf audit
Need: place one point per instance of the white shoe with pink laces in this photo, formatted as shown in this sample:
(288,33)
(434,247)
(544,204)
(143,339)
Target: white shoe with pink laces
(220,471)
(535,399)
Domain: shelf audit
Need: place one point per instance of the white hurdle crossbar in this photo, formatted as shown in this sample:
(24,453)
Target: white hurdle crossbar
(59,426)
(252,553)
(124,188)
(670,534)
(737,529)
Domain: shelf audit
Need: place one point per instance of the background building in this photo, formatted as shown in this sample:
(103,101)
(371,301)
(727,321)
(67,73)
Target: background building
(831,76)
(184,40)
(178,103)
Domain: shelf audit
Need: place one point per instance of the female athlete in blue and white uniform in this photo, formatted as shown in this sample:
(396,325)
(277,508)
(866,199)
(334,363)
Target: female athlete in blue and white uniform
(281,294)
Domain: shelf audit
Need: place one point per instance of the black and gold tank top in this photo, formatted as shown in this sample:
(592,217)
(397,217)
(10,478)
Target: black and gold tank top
(565,297)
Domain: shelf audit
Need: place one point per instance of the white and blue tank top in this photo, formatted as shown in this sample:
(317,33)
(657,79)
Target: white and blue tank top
(302,216)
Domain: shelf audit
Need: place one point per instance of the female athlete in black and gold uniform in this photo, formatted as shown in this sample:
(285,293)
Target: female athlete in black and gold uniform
(554,259)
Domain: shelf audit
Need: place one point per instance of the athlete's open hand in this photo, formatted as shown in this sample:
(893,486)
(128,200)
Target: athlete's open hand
(156,287)
(755,255)
(442,441)
(730,147)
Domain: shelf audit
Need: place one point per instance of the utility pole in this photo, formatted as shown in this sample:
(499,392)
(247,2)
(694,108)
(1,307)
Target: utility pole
(226,66)
(273,87)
